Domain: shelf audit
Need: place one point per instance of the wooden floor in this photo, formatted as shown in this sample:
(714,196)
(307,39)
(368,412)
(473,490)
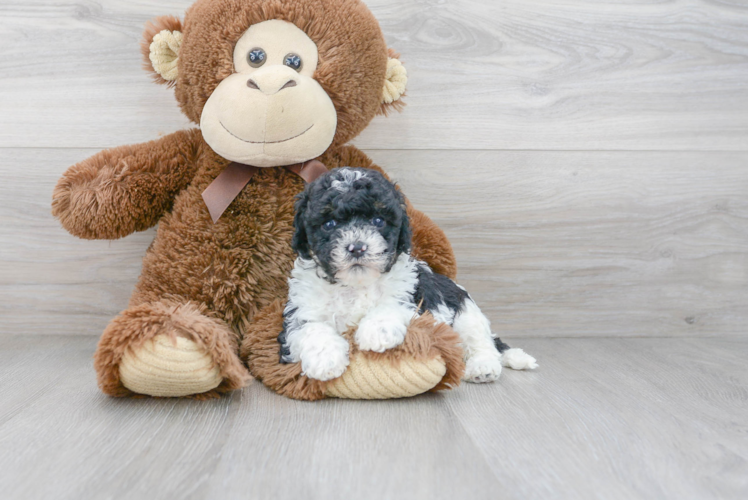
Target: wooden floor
(602,418)
(589,162)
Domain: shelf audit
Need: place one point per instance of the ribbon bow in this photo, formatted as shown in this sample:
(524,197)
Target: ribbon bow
(229,183)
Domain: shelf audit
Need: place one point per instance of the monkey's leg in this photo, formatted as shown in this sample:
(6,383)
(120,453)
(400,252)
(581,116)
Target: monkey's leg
(168,348)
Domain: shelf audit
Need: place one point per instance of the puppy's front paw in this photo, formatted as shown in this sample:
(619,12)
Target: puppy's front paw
(378,335)
(325,360)
(481,368)
(327,364)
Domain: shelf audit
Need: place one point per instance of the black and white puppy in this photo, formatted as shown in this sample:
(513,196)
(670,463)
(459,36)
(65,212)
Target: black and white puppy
(354,268)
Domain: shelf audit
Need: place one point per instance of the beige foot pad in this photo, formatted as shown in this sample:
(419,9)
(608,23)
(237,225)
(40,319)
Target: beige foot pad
(163,367)
(367,379)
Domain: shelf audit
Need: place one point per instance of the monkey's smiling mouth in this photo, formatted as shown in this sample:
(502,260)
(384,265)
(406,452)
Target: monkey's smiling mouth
(264,142)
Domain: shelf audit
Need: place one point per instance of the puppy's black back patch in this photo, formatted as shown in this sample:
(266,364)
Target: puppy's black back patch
(434,290)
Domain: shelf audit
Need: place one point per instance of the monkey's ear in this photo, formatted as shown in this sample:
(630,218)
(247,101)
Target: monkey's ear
(160,47)
(394,84)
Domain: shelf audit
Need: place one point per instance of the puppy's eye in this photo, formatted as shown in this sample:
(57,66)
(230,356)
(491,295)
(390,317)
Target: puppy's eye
(293,61)
(256,57)
(329,225)
(378,222)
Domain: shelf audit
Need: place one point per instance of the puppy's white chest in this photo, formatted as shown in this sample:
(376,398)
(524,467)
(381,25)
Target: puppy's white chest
(314,300)
(351,304)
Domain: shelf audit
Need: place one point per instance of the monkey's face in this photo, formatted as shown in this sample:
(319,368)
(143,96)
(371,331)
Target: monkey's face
(274,83)
(270,111)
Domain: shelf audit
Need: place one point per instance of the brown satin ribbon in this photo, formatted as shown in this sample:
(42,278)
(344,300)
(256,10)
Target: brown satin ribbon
(229,183)
(309,170)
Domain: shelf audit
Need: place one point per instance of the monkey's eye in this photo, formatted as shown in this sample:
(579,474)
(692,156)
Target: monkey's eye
(378,222)
(293,61)
(256,57)
(329,225)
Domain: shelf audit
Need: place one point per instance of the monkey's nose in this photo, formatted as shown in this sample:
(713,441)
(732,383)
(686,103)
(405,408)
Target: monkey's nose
(357,249)
(267,88)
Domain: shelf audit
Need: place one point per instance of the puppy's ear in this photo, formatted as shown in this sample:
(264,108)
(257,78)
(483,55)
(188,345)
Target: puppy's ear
(299,243)
(403,243)
(404,239)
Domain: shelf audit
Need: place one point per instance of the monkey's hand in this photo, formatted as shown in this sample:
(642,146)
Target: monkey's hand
(126,189)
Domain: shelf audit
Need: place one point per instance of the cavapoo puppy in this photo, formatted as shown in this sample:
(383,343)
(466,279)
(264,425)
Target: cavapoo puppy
(353,268)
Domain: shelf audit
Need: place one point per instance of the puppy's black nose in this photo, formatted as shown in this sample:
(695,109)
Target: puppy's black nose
(357,249)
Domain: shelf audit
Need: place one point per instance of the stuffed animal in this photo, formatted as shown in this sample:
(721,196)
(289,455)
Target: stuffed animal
(278,87)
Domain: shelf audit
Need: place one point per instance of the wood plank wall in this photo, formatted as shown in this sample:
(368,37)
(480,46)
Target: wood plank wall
(588,160)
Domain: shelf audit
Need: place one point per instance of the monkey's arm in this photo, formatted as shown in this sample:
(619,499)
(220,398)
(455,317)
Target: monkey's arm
(430,244)
(125,189)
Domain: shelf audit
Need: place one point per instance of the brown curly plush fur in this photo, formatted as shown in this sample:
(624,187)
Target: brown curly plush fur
(126,189)
(206,281)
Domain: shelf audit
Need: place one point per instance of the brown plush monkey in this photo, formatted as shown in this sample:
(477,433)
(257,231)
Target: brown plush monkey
(273,84)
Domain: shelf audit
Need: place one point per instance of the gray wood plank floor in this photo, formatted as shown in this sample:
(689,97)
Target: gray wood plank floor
(601,418)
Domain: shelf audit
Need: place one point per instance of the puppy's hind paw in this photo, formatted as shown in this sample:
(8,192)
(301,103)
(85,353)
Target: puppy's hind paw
(481,368)
(517,359)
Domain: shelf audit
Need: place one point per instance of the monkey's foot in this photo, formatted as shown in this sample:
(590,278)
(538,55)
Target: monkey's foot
(168,367)
(168,349)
